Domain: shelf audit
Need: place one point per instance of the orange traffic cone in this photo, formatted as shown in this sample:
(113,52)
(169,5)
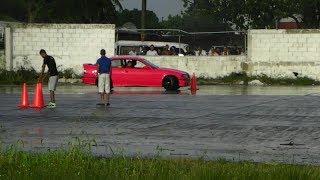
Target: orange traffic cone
(24,97)
(38,101)
(193,85)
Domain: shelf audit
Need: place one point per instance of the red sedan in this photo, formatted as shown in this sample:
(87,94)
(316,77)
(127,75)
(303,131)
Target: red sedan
(134,71)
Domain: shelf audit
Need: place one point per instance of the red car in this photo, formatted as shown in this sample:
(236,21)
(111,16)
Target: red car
(134,71)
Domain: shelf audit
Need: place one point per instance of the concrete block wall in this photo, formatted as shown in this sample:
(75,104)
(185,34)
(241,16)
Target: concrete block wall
(2,60)
(202,66)
(70,44)
(279,53)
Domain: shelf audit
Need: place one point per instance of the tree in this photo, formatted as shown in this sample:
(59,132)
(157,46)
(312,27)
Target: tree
(199,16)
(246,14)
(62,11)
(134,16)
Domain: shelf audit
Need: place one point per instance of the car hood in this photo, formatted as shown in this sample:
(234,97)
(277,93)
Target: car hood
(174,71)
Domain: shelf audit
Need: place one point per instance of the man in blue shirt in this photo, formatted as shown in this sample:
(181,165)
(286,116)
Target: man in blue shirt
(104,70)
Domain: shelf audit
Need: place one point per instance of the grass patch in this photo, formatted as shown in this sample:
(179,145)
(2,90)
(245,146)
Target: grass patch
(77,164)
(30,76)
(243,78)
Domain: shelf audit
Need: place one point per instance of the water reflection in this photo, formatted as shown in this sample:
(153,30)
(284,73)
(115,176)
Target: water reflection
(203,90)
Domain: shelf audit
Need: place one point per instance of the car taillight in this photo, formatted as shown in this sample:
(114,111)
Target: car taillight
(186,76)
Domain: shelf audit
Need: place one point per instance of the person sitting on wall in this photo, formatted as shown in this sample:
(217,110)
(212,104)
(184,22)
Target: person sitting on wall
(166,51)
(214,52)
(200,52)
(152,51)
(226,51)
(173,51)
(189,52)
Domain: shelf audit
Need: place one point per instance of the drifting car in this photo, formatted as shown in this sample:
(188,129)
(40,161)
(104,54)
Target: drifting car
(135,71)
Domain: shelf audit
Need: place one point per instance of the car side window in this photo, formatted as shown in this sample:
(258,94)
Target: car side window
(140,65)
(116,63)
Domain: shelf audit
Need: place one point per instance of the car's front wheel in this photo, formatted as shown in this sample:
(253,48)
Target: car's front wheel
(170,83)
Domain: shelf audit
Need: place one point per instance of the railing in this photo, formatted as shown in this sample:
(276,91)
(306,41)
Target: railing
(196,43)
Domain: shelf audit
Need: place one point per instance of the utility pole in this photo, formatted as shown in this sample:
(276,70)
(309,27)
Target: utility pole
(143,18)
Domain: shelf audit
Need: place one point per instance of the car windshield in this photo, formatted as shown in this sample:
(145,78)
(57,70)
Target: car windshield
(148,63)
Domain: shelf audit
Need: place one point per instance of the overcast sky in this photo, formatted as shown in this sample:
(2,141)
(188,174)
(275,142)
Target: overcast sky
(161,7)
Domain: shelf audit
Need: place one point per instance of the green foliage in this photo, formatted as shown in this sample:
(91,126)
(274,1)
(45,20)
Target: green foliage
(61,11)
(199,16)
(246,14)
(68,74)
(134,16)
(18,77)
(77,164)
(30,76)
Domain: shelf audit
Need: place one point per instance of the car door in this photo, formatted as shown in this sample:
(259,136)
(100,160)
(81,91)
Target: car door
(118,74)
(140,75)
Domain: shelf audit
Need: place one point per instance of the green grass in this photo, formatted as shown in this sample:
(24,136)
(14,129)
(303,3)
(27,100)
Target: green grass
(236,78)
(77,164)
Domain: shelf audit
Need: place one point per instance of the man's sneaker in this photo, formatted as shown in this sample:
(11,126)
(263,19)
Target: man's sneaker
(108,104)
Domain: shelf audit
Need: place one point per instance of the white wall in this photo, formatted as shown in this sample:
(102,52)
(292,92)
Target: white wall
(70,44)
(204,66)
(278,53)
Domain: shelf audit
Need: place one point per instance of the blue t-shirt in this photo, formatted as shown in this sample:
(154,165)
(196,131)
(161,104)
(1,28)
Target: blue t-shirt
(104,65)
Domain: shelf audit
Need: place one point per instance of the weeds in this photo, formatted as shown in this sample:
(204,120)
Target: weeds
(30,76)
(19,76)
(243,78)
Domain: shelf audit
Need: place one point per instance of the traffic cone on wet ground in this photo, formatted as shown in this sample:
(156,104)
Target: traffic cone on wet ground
(38,101)
(193,85)
(24,97)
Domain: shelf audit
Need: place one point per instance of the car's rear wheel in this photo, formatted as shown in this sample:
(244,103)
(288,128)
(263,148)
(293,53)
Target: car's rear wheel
(170,83)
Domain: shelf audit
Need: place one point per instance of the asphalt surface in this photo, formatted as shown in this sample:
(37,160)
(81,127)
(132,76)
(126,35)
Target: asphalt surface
(261,128)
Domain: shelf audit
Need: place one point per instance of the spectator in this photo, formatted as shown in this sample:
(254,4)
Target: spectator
(166,51)
(189,52)
(132,52)
(240,51)
(200,52)
(214,52)
(226,51)
(173,51)
(152,51)
(142,51)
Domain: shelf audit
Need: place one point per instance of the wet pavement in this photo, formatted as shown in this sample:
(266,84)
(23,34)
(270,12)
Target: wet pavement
(232,122)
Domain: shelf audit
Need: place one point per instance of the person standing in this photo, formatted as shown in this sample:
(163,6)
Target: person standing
(104,70)
(152,51)
(53,79)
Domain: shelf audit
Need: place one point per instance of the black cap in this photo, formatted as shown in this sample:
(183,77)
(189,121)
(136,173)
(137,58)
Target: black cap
(103,52)
(42,51)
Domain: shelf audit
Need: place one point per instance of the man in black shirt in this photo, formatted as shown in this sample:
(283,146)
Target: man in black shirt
(53,72)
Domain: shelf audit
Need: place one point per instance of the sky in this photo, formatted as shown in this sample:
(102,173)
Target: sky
(163,8)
